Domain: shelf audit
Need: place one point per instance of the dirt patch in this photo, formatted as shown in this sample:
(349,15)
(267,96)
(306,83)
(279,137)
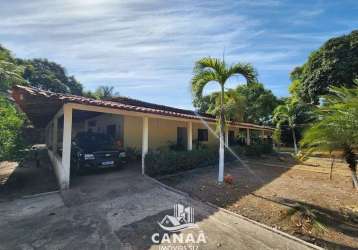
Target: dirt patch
(27,178)
(296,198)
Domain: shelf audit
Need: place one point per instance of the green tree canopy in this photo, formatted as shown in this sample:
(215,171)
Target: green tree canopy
(253,103)
(333,64)
(51,76)
(10,72)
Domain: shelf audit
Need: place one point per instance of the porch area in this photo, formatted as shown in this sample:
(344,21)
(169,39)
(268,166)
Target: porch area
(134,125)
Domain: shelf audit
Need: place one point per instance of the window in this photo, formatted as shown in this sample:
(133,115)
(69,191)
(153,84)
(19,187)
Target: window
(181,136)
(202,135)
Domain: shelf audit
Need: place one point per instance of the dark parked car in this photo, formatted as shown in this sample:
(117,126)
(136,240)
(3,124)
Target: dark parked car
(95,150)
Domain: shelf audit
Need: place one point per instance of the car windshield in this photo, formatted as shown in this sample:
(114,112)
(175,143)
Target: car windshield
(91,142)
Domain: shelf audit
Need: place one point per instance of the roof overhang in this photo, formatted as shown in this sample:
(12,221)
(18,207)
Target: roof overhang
(41,106)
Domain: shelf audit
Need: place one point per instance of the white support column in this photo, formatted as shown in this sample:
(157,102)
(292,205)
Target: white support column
(248,139)
(54,135)
(144,142)
(227,136)
(190,136)
(66,147)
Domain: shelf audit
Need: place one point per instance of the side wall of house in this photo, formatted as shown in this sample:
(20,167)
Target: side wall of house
(163,133)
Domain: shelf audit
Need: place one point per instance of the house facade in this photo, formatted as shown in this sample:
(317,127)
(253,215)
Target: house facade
(135,124)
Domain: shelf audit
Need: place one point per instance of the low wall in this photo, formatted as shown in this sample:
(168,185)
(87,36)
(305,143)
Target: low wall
(60,172)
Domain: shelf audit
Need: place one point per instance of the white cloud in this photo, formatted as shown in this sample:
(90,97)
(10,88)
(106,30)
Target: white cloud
(147,47)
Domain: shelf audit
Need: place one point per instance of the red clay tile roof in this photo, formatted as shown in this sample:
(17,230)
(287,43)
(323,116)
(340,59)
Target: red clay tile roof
(40,104)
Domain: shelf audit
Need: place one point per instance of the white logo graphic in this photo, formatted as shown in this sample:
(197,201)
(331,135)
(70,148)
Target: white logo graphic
(183,218)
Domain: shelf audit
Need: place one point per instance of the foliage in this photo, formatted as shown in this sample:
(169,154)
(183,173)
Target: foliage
(276,136)
(249,102)
(11,122)
(293,114)
(9,72)
(234,105)
(333,64)
(105,92)
(133,154)
(260,103)
(208,70)
(51,76)
(307,219)
(336,127)
(169,161)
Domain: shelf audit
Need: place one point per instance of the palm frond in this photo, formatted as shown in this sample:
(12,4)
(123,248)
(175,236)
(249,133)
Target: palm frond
(246,70)
(200,80)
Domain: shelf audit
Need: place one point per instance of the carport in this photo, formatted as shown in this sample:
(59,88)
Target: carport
(148,126)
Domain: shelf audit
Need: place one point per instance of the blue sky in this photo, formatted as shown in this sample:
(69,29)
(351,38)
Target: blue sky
(146,49)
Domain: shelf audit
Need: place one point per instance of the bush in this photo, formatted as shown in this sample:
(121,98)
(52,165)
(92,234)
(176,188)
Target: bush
(11,122)
(133,154)
(159,163)
(167,162)
(254,150)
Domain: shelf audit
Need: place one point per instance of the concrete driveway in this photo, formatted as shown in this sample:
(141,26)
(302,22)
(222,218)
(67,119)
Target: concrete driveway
(121,210)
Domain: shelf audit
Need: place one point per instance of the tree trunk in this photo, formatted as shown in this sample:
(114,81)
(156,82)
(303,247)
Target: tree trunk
(354,179)
(332,163)
(221,146)
(352,164)
(294,140)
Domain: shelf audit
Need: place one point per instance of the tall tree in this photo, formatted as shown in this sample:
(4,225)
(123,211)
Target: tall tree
(208,70)
(336,127)
(51,76)
(334,64)
(10,72)
(293,113)
(260,103)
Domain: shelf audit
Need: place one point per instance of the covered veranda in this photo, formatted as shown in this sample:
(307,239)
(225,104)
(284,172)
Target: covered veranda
(146,125)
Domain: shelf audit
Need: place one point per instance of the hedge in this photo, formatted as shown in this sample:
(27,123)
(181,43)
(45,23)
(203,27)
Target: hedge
(168,162)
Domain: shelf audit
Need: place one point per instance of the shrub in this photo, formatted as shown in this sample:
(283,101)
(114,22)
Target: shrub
(11,122)
(133,154)
(159,163)
(168,162)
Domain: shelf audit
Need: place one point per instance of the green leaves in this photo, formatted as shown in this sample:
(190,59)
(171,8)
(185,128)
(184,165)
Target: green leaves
(337,124)
(210,69)
(334,64)
(10,123)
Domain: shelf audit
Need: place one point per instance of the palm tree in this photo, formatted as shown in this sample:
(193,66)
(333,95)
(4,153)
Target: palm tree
(292,113)
(208,70)
(336,128)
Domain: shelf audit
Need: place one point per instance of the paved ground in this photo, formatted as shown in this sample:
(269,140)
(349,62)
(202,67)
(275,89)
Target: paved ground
(120,210)
(27,178)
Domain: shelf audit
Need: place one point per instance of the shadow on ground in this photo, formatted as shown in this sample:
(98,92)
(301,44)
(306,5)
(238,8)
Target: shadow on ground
(27,178)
